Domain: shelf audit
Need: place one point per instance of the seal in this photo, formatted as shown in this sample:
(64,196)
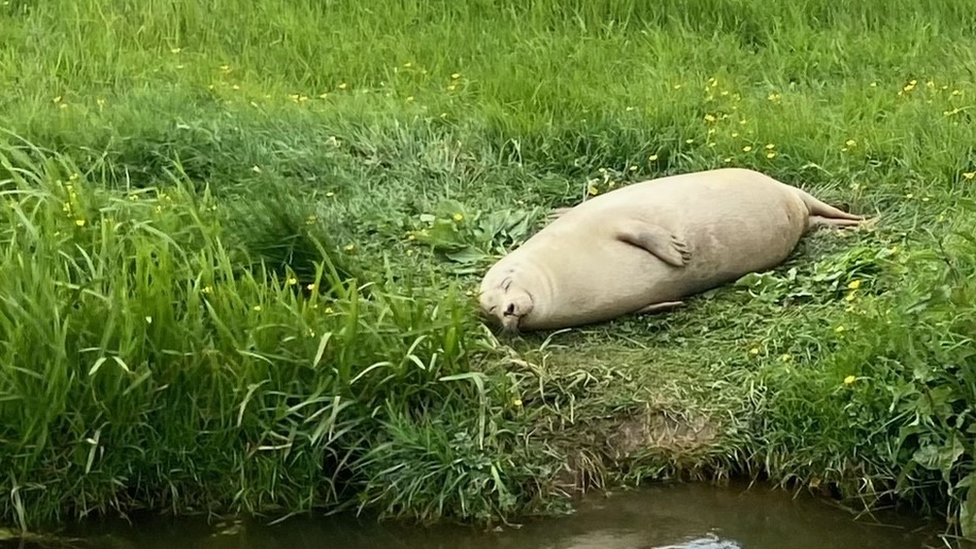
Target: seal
(647,246)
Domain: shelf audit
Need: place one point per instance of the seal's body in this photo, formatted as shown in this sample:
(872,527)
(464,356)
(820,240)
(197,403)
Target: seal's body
(646,246)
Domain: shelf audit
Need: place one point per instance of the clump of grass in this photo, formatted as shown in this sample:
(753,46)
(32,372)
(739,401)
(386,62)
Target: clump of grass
(142,367)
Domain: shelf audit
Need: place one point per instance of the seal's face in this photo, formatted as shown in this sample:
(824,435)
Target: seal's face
(506,305)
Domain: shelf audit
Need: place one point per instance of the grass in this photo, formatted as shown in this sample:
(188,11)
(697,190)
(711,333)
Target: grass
(237,243)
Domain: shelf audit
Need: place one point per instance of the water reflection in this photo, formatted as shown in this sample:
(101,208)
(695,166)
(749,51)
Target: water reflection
(688,516)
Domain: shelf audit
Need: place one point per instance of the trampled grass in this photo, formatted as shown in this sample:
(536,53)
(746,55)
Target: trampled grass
(233,269)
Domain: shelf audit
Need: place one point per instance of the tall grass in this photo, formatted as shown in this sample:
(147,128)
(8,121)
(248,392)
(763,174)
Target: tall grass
(234,269)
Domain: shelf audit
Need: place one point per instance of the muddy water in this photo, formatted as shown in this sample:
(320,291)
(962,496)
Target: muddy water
(683,516)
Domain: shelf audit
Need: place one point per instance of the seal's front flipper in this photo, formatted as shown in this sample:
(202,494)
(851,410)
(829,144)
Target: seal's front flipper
(557,213)
(667,246)
(657,307)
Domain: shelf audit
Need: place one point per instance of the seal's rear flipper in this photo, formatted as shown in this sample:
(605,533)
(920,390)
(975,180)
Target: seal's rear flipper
(665,245)
(657,307)
(818,222)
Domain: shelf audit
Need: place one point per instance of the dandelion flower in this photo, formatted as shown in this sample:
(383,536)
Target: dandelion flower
(350,247)
(329,194)
(849,380)
(747,148)
(409,99)
(329,310)
(854,284)
(517,402)
(727,159)
(407,65)
(256,169)
(80,222)
(689,141)
(969,175)
(874,84)
(956,92)
(677,86)
(256,308)
(207,289)
(709,118)
(652,158)
(342,85)
(292,281)
(850,143)
(633,168)
(452,87)
(754,351)
(735,134)
(786,357)
(458,217)
(310,220)
(770,154)
(174,51)
(839,329)
(455,76)
(57,99)
(310,287)
(592,190)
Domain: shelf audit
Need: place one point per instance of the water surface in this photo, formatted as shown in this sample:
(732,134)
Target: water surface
(680,516)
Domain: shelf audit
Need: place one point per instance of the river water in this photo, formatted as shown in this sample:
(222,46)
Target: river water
(679,516)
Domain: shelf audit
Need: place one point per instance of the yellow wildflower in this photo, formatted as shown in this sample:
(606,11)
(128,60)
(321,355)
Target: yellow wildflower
(310,287)
(342,85)
(727,160)
(409,98)
(175,50)
(689,141)
(256,169)
(770,146)
(709,118)
(754,351)
(256,307)
(207,289)
(452,87)
(292,281)
(592,190)
(80,222)
(839,329)
(458,217)
(329,194)
(854,284)
(455,76)
(517,402)
(969,175)
(851,296)
(747,148)
(349,247)
(652,158)
(849,380)
(850,143)
(770,154)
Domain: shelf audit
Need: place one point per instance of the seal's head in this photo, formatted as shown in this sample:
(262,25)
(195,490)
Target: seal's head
(505,304)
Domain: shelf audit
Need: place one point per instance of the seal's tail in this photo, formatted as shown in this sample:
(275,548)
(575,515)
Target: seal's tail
(822,209)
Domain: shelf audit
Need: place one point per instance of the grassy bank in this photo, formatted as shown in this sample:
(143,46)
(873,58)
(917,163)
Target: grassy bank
(238,241)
